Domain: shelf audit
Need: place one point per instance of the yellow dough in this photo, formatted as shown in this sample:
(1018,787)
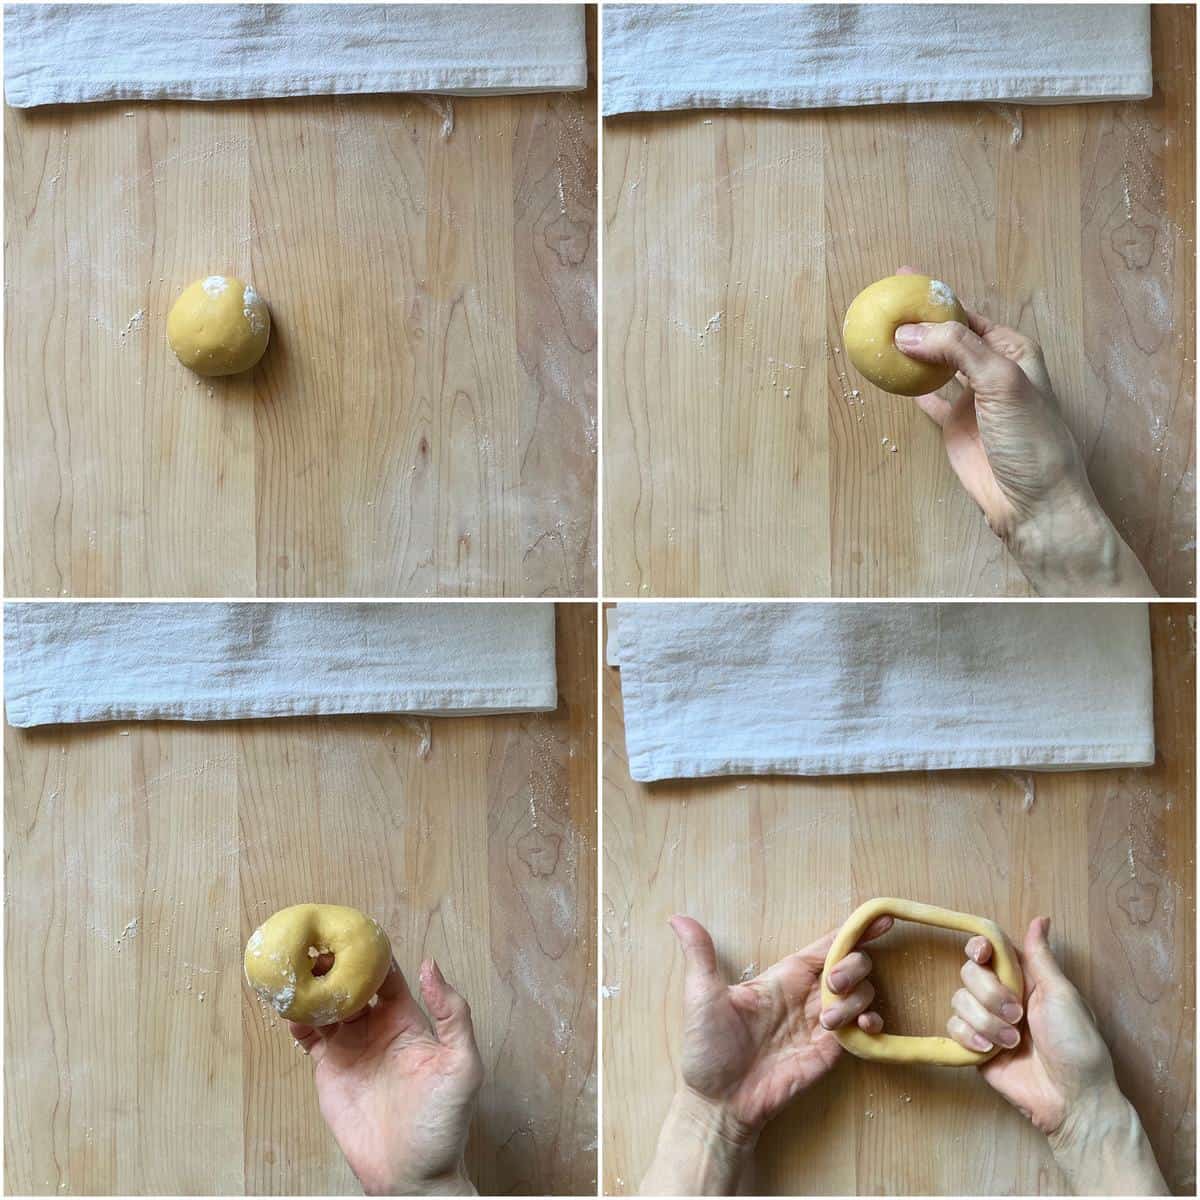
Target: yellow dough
(283,950)
(887,1047)
(869,331)
(219,326)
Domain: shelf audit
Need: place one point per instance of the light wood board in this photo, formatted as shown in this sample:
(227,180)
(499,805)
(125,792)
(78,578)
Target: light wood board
(424,420)
(743,457)
(768,865)
(139,858)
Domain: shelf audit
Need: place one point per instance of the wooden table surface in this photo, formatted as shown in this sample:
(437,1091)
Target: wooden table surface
(424,420)
(140,856)
(743,457)
(770,864)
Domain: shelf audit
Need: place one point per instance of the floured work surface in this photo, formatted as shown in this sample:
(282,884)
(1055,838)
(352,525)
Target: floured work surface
(745,457)
(770,864)
(141,856)
(423,420)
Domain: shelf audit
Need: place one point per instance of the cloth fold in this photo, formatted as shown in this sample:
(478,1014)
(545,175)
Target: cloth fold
(832,689)
(670,56)
(80,53)
(73,662)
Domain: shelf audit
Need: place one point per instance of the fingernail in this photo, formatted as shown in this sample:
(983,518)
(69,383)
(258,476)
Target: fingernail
(980,1042)
(1011,1012)
(836,982)
(910,335)
(1008,1038)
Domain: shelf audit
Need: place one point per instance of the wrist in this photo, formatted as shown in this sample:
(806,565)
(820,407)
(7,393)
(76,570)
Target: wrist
(1101,1147)
(703,1150)
(714,1121)
(454,1182)
(1067,546)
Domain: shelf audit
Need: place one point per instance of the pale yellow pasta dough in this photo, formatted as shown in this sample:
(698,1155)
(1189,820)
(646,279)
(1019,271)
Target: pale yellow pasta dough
(869,331)
(283,950)
(219,326)
(888,1047)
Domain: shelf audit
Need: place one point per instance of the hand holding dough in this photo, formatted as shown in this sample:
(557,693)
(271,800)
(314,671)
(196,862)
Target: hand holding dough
(219,326)
(886,1047)
(869,331)
(284,950)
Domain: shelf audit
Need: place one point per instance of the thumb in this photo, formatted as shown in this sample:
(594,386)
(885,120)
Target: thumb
(952,343)
(700,974)
(450,1013)
(1041,967)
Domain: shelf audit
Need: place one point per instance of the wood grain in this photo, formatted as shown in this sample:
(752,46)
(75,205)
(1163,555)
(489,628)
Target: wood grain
(140,856)
(769,864)
(424,420)
(744,458)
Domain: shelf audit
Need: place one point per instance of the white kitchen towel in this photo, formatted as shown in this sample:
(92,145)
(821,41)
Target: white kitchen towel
(835,689)
(68,662)
(664,56)
(76,53)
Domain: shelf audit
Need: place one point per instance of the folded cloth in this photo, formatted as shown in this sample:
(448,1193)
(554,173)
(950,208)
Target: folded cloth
(662,56)
(832,689)
(74,53)
(67,662)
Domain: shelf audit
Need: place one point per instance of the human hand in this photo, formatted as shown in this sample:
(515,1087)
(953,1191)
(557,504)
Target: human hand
(1013,453)
(748,1048)
(397,1089)
(1062,1063)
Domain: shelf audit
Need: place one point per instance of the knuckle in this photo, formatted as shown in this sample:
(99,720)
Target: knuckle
(1004,375)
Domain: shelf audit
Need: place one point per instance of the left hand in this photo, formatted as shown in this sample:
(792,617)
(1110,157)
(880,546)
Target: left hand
(397,1089)
(748,1048)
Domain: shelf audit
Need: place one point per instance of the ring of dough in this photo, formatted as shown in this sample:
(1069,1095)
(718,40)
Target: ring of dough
(869,331)
(219,326)
(890,1047)
(284,949)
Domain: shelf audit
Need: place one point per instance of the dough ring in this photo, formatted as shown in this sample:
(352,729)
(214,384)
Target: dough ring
(869,331)
(219,326)
(286,950)
(890,1047)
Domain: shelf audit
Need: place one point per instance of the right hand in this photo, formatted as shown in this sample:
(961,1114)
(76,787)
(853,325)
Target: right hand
(1004,435)
(1062,1063)
(1013,453)
(397,1088)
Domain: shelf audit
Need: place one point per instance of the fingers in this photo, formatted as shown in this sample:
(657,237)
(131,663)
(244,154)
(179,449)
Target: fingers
(987,1025)
(870,1022)
(1041,967)
(876,929)
(451,1014)
(985,986)
(306,1036)
(397,1005)
(979,323)
(964,1035)
(985,1012)
(979,950)
(848,973)
(849,1007)
(935,407)
(700,974)
(952,343)
(813,956)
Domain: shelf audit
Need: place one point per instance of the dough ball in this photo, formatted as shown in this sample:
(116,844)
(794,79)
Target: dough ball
(219,326)
(284,950)
(869,331)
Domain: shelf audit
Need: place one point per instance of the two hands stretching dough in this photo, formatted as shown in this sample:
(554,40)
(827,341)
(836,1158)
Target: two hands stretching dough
(1014,454)
(751,1047)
